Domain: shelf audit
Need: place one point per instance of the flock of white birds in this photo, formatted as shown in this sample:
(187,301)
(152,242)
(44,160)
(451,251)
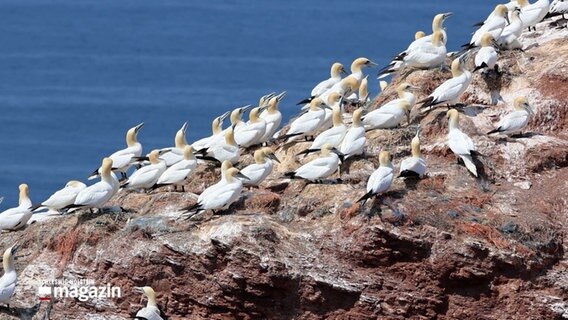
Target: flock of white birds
(320,119)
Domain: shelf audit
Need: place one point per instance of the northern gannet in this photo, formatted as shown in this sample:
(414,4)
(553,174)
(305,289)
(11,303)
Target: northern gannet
(429,54)
(354,142)
(509,39)
(151,311)
(559,7)
(220,195)
(381,179)
(236,120)
(404,91)
(216,133)
(486,57)
(9,279)
(335,76)
(252,132)
(96,195)
(147,176)
(419,39)
(63,197)
(451,90)
(345,88)
(333,136)
(460,143)
(531,14)
(494,25)
(514,122)
(16,218)
(306,124)
(261,168)
(357,69)
(319,168)
(333,100)
(179,172)
(413,166)
(174,155)
(227,149)
(387,119)
(272,116)
(122,160)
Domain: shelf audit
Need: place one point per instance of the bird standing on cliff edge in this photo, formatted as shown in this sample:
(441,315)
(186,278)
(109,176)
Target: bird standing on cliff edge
(16,218)
(151,311)
(515,121)
(460,143)
(381,179)
(9,279)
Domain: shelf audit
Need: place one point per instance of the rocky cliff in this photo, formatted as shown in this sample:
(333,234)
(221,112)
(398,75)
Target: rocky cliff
(447,247)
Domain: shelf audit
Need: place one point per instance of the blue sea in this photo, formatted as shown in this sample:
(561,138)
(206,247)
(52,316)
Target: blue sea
(76,74)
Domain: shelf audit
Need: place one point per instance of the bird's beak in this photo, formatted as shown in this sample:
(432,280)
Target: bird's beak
(495,43)
(408,117)
(447,15)
(138,127)
(245,108)
(184,127)
(242,176)
(530,110)
(325,106)
(371,64)
(343,72)
(507,19)
(273,157)
(15,248)
(280,96)
(224,116)
(418,130)
(414,88)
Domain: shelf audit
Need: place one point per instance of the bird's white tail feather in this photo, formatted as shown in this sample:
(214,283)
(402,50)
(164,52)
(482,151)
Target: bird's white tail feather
(469,164)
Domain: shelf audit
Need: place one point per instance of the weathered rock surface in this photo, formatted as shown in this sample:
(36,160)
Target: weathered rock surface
(447,247)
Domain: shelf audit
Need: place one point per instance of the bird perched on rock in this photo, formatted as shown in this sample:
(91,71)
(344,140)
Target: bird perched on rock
(486,57)
(319,168)
(460,143)
(414,166)
(16,218)
(381,179)
(354,141)
(123,159)
(451,90)
(261,168)
(220,195)
(63,197)
(9,279)
(179,172)
(151,311)
(514,122)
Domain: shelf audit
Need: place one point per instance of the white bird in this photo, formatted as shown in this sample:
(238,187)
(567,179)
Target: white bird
(9,278)
(344,88)
(335,101)
(413,166)
(335,76)
(147,176)
(333,136)
(63,197)
(357,69)
(514,122)
(261,168)
(16,218)
(173,155)
(309,122)
(123,159)
(531,14)
(354,142)
(381,179)
(216,132)
(96,195)
(252,132)
(494,25)
(179,172)
(559,7)
(388,119)
(451,90)
(460,143)
(319,168)
(486,57)
(509,39)
(236,121)
(151,311)
(227,149)
(272,116)
(419,39)
(222,194)
(404,91)
(427,55)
